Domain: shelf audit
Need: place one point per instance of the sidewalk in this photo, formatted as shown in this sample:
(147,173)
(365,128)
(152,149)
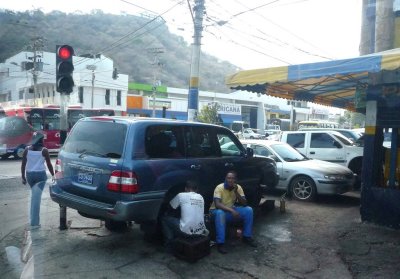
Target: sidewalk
(310,240)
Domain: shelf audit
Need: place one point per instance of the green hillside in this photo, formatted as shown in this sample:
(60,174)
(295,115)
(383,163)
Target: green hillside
(124,38)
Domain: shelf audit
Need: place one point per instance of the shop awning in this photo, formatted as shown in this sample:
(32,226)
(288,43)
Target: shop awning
(331,83)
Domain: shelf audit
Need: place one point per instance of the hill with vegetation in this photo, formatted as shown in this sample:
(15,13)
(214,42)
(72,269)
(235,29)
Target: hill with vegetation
(127,39)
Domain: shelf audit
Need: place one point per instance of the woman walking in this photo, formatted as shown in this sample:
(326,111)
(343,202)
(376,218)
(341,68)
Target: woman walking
(33,171)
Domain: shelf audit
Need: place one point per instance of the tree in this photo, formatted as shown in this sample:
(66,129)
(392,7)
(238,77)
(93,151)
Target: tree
(209,114)
(342,120)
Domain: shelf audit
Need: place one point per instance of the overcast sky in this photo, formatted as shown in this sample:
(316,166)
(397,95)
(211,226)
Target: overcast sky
(250,34)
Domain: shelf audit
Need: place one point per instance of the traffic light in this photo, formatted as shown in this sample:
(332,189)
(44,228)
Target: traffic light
(115,73)
(64,69)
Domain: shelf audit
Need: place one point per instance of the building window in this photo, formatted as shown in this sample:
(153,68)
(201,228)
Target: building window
(107,96)
(118,97)
(81,94)
(21,94)
(48,93)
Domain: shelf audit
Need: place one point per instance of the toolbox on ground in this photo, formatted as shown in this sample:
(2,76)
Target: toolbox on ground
(191,248)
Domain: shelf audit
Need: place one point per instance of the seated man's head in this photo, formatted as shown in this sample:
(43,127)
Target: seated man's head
(230,180)
(191,186)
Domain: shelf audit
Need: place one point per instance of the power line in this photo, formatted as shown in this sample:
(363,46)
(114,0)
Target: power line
(225,22)
(118,42)
(288,31)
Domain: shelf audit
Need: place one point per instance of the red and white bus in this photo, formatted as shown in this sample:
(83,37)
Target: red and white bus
(15,136)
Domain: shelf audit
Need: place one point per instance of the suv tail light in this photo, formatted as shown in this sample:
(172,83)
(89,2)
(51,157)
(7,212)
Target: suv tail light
(59,172)
(124,182)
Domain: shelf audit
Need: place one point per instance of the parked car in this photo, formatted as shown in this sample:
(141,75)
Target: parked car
(348,133)
(300,176)
(127,169)
(328,146)
(250,134)
(272,132)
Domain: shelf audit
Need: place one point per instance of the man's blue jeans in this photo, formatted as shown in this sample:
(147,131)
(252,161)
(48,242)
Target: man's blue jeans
(221,217)
(37,181)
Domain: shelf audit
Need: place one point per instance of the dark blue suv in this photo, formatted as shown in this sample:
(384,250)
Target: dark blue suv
(127,169)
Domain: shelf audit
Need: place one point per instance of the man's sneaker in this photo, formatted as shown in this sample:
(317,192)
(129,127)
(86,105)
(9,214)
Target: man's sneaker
(221,248)
(249,241)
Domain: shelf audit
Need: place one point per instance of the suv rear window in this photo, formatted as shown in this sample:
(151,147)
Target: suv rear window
(97,138)
(164,141)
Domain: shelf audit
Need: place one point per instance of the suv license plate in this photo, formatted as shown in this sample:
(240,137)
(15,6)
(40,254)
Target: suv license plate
(85,178)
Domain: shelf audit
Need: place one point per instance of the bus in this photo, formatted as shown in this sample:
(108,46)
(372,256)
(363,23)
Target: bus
(317,124)
(40,119)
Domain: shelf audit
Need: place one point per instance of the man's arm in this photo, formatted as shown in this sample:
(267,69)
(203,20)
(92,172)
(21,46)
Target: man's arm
(220,205)
(240,196)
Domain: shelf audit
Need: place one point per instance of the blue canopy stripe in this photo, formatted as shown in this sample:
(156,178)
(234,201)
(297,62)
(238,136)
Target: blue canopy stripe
(332,83)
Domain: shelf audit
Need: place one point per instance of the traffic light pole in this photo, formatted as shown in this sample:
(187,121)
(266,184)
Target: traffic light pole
(64,85)
(63,135)
(63,117)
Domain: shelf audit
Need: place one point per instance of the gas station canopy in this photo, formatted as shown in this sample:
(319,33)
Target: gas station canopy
(332,83)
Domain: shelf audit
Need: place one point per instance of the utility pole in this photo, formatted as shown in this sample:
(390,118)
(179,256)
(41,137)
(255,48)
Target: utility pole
(193,96)
(92,68)
(157,65)
(37,46)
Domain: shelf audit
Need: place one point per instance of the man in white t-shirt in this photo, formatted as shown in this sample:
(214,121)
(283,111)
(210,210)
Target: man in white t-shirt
(191,222)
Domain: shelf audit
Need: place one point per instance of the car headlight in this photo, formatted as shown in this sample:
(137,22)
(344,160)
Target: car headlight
(335,177)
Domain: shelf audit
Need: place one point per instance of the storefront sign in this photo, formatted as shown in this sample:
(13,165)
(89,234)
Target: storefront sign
(228,108)
(159,104)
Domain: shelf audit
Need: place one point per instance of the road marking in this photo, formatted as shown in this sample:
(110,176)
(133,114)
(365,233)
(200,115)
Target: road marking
(7,176)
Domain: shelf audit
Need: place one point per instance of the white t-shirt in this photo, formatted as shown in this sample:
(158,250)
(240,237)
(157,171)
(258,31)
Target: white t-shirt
(192,212)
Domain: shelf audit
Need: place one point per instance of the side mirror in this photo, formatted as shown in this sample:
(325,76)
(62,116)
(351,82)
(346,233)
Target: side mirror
(249,152)
(337,144)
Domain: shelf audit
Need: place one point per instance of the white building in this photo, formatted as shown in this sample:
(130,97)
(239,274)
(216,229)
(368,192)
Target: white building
(236,106)
(94,85)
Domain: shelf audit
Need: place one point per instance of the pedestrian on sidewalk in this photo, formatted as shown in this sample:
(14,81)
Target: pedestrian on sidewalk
(33,171)
(230,205)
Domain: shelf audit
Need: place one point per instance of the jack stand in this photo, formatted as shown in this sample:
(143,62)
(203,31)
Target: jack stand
(282,204)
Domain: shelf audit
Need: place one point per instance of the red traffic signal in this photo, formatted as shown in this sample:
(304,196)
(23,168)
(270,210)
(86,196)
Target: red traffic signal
(65,52)
(64,69)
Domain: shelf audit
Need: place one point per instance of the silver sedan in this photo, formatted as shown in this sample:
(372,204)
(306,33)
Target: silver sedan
(302,177)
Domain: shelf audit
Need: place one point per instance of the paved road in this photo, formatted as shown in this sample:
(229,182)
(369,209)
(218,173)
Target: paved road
(310,240)
(11,168)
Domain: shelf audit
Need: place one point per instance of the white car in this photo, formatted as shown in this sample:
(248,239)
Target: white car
(250,134)
(301,177)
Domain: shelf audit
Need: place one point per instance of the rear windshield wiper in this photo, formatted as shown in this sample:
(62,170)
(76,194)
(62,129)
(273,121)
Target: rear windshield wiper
(84,152)
(113,155)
